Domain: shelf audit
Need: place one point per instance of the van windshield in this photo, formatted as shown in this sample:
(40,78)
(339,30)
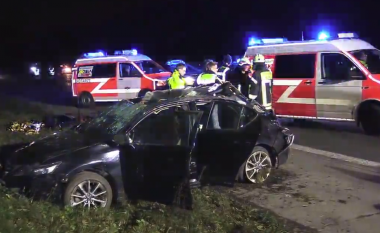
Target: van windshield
(370,58)
(150,67)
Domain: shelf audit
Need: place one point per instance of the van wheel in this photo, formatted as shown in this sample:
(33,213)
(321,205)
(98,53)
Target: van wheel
(369,116)
(143,92)
(85,100)
(88,190)
(257,168)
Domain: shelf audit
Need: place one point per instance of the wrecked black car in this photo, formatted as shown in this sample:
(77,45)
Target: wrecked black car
(167,135)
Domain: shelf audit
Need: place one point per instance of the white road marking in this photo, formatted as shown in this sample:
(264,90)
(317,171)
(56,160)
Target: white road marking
(338,156)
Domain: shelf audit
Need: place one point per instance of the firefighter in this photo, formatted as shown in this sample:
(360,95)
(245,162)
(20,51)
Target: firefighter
(246,81)
(262,93)
(177,80)
(209,76)
(222,71)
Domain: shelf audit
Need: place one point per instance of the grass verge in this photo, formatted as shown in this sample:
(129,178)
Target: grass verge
(213,210)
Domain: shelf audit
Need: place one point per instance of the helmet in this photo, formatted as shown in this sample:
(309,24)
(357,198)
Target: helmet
(227,59)
(259,58)
(244,61)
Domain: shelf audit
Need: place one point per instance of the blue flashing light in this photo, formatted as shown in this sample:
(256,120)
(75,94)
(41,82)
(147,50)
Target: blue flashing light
(323,36)
(253,41)
(95,54)
(175,62)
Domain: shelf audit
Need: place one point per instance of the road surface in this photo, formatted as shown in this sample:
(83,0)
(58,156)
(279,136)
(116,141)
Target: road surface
(343,138)
(326,194)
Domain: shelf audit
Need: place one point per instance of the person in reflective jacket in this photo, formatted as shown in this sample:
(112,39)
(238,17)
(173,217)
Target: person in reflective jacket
(176,80)
(222,71)
(262,92)
(246,82)
(209,76)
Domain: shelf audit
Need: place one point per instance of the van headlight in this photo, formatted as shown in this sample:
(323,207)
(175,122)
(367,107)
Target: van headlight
(46,169)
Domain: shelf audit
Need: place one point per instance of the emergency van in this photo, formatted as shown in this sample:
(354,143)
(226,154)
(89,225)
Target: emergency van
(97,77)
(332,79)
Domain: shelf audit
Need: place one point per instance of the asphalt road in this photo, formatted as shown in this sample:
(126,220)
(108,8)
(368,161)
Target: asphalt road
(343,138)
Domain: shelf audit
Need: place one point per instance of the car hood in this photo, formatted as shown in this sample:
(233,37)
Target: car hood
(52,146)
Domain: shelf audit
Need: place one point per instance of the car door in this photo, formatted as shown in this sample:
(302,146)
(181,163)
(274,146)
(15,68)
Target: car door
(218,141)
(339,87)
(157,158)
(129,81)
(293,92)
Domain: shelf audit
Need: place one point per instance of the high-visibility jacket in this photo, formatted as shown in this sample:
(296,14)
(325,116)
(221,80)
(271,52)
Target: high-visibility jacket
(222,72)
(262,91)
(207,77)
(176,81)
(364,63)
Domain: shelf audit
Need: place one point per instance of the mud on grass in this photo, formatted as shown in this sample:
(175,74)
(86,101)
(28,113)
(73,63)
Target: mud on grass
(213,212)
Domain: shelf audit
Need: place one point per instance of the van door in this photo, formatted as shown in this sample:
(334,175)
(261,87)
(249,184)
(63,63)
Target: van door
(294,85)
(129,81)
(339,87)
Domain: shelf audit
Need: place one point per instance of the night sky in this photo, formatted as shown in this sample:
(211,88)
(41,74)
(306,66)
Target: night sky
(194,30)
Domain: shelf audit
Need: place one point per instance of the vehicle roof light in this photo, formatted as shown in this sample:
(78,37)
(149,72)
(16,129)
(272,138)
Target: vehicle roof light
(95,54)
(132,52)
(274,40)
(253,41)
(323,36)
(347,35)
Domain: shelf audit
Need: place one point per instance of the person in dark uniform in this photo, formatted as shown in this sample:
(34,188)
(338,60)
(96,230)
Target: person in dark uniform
(262,92)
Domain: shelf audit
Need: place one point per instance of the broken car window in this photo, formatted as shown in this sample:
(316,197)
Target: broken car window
(163,128)
(115,118)
(224,116)
(248,115)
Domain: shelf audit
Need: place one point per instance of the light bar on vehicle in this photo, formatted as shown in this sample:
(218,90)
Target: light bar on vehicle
(323,36)
(132,52)
(274,40)
(175,62)
(95,54)
(347,35)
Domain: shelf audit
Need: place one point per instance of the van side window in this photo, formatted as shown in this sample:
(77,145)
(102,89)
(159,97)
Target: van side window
(336,66)
(128,70)
(97,71)
(294,66)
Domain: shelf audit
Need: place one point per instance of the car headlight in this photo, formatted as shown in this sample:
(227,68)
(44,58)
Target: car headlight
(47,169)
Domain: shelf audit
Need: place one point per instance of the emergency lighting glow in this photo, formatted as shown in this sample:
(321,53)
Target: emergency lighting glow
(323,36)
(252,41)
(96,54)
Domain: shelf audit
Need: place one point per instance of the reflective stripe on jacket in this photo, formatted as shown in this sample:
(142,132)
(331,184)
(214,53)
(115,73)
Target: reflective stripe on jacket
(206,78)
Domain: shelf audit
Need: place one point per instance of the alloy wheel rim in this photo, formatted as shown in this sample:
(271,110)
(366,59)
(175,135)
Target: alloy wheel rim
(89,194)
(258,167)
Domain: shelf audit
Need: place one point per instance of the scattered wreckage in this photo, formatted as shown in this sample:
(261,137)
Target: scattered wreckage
(164,140)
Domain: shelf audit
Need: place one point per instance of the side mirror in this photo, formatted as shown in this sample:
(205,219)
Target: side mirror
(122,139)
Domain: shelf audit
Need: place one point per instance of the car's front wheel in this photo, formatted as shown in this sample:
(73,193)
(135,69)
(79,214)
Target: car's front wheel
(88,190)
(257,168)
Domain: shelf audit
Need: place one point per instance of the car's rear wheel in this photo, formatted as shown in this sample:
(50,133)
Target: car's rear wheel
(88,190)
(85,100)
(257,168)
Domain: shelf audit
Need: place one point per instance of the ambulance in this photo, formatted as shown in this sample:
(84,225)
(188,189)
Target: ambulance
(97,77)
(335,79)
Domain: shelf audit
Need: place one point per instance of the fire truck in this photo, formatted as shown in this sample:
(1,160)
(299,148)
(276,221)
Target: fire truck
(98,77)
(336,79)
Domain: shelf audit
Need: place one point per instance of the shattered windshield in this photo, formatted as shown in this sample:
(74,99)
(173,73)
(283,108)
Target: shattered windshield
(115,118)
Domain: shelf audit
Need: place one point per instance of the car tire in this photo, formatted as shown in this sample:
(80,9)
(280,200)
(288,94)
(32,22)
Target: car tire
(247,173)
(85,100)
(369,116)
(142,93)
(101,196)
